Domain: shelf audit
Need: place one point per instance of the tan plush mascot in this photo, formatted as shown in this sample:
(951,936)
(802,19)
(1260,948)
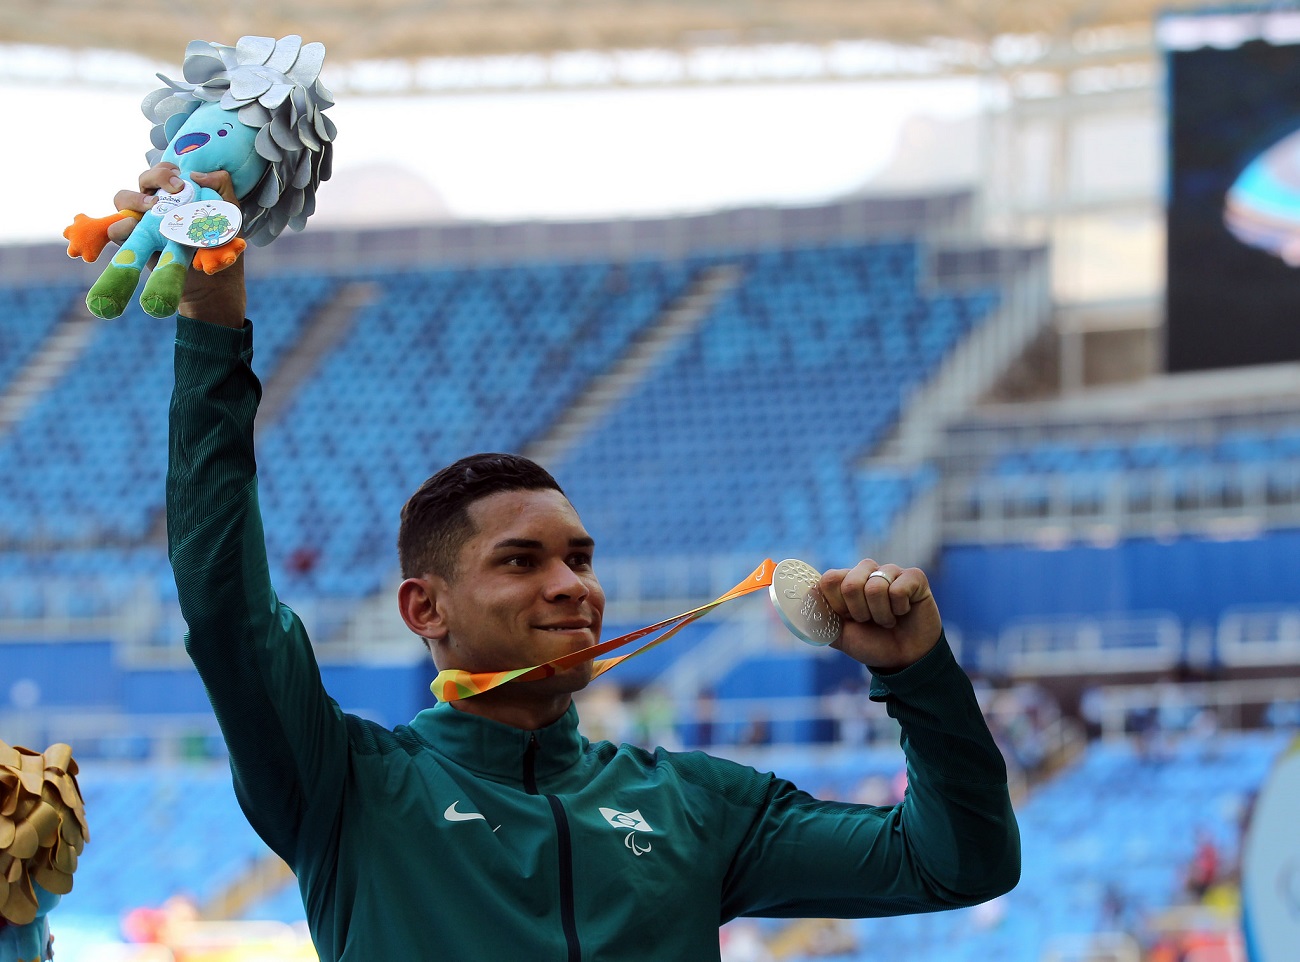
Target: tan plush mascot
(42,832)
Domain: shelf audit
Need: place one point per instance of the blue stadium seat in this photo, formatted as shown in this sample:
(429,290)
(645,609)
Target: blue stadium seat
(30,316)
(158,831)
(739,408)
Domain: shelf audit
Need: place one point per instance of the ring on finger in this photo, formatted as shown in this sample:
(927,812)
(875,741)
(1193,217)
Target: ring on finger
(878,573)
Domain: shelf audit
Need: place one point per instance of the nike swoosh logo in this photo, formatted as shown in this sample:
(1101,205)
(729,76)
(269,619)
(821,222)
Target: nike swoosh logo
(452,815)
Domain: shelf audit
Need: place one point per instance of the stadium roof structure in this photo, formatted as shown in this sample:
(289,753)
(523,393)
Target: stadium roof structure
(548,43)
(368,29)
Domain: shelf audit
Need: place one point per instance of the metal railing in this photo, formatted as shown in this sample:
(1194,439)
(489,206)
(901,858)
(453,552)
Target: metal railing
(1228,498)
(463,243)
(1127,643)
(1259,635)
(1116,706)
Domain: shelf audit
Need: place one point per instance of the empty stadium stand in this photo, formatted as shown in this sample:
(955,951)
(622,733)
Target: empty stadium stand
(709,391)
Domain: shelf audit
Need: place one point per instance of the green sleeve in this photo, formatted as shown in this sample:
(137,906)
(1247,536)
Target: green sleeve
(286,737)
(952,842)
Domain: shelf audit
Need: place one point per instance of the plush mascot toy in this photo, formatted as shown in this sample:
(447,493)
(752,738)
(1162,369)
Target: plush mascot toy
(42,832)
(256,110)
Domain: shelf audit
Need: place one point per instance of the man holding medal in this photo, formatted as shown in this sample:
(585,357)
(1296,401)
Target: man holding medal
(489,828)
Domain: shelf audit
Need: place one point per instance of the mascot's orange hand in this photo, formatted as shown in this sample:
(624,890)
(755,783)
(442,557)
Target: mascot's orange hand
(88,236)
(209,260)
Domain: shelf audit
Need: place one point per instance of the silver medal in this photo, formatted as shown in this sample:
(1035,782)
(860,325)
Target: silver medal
(800,604)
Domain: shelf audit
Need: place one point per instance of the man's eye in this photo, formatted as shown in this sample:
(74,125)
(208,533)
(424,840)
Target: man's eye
(519,561)
(580,560)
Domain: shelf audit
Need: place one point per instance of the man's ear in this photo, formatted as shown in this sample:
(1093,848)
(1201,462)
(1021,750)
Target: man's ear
(418,603)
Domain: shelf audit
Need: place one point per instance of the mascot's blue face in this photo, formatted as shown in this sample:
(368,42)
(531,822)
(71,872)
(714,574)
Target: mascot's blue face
(214,139)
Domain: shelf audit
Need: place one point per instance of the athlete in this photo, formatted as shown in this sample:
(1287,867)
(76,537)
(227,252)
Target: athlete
(490,828)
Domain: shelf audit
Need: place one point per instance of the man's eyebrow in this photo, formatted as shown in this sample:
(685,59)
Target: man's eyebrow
(528,543)
(518,543)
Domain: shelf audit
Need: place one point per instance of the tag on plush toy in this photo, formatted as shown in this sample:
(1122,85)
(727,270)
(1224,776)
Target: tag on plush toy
(205,224)
(164,201)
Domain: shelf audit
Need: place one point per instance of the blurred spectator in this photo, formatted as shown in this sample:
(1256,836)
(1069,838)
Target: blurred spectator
(1019,717)
(706,716)
(741,941)
(1090,711)
(1204,724)
(900,783)
(989,915)
(1283,714)
(1203,870)
(848,707)
(875,790)
(605,713)
(653,718)
(303,559)
(757,732)
(162,926)
(831,937)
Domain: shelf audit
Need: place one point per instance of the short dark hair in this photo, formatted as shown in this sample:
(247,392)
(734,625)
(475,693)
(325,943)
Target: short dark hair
(435,520)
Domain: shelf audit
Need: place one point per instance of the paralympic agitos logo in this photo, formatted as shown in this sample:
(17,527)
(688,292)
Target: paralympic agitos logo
(634,822)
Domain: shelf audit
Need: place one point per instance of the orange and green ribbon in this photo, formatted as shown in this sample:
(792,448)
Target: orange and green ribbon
(453,684)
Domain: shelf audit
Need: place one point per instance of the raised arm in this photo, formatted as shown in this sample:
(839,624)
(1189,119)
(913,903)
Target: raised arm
(953,841)
(287,739)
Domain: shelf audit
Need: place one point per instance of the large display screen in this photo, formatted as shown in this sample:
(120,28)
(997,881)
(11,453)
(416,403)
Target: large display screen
(1233,254)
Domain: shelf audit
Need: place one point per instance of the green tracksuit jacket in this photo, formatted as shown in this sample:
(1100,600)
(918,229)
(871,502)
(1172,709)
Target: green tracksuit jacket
(457,838)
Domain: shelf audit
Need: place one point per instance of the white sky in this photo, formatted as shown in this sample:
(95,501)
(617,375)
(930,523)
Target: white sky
(550,155)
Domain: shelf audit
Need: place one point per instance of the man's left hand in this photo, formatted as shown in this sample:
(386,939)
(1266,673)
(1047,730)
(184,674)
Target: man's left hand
(890,617)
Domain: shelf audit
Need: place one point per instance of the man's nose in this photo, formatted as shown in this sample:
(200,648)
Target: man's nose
(564,584)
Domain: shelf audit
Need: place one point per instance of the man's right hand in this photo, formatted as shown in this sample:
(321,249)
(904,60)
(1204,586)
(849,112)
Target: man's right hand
(218,298)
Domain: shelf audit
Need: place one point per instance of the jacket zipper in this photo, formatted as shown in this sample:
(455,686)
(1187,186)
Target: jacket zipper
(565,843)
(530,761)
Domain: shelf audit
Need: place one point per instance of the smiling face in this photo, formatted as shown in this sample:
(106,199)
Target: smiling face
(523,592)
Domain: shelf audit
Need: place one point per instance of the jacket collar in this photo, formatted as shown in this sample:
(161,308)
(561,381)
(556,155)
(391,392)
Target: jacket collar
(497,751)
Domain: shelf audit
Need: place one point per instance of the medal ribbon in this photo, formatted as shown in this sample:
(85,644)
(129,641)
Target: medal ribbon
(453,684)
